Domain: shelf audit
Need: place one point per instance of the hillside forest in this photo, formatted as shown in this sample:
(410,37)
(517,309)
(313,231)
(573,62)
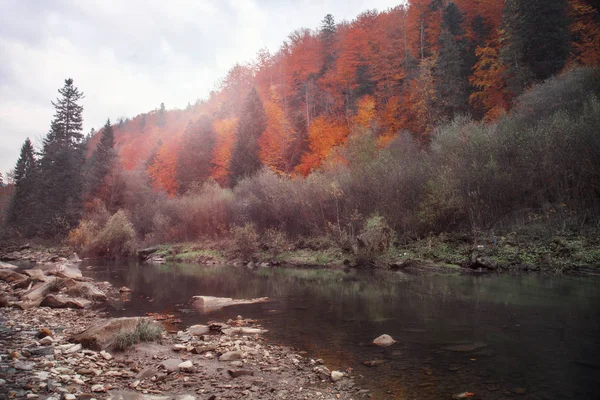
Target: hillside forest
(430,118)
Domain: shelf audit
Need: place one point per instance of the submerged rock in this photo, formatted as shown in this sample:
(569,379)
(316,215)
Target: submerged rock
(210,303)
(384,340)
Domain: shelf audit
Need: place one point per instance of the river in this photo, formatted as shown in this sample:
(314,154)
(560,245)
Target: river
(498,336)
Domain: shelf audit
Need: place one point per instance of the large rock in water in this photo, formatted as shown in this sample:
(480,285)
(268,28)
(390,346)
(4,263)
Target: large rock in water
(210,303)
(384,341)
(66,270)
(99,336)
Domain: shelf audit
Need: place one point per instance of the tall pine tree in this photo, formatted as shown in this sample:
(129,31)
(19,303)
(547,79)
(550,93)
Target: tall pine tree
(102,160)
(450,72)
(24,208)
(245,159)
(535,40)
(61,164)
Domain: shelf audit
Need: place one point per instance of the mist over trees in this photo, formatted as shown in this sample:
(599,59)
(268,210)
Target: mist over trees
(438,115)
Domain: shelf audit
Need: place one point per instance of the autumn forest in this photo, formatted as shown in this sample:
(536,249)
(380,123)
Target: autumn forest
(434,117)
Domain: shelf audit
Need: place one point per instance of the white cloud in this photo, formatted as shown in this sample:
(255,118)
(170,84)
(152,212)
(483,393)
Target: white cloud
(129,56)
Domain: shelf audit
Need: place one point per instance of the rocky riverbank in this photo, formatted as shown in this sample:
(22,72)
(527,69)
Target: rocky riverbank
(68,350)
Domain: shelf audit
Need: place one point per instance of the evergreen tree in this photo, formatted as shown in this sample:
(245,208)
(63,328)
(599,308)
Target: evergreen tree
(102,160)
(535,40)
(62,158)
(161,115)
(245,159)
(23,210)
(450,72)
(193,161)
(327,32)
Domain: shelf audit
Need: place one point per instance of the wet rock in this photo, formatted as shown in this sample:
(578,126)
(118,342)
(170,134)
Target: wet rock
(231,356)
(210,303)
(384,340)
(58,301)
(186,366)
(336,375)
(198,330)
(235,373)
(99,336)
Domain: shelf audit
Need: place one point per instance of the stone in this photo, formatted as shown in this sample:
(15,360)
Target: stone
(235,373)
(124,289)
(69,396)
(322,371)
(243,331)
(171,365)
(237,364)
(66,270)
(98,388)
(231,356)
(24,366)
(336,375)
(59,301)
(72,349)
(12,277)
(87,290)
(210,303)
(35,274)
(41,351)
(384,340)
(106,355)
(39,291)
(46,341)
(204,348)
(186,366)
(198,330)
(178,347)
(99,336)
(43,332)
(4,265)
(74,258)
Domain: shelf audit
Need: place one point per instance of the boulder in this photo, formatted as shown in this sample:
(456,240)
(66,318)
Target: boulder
(58,301)
(186,366)
(65,270)
(243,331)
(198,330)
(336,375)
(4,265)
(10,276)
(99,336)
(210,303)
(231,356)
(39,291)
(384,340)
(87,290)
(36,274)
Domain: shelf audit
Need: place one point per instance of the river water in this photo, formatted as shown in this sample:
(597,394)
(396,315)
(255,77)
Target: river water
(498,336)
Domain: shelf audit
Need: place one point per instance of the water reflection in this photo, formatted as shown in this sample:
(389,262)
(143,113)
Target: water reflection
(533,333)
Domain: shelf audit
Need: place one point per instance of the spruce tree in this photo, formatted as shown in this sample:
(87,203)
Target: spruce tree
(61,162)
(193,161)
(102,160)
(327,32)
(450,72)
(245,159)
(535,40)
(24,207)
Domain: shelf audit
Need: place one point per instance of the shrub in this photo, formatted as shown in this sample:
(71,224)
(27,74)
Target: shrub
(245,240)
(145,331)
(376,238)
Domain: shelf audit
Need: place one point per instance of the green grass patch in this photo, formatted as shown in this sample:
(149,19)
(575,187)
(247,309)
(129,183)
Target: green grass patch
(145,331)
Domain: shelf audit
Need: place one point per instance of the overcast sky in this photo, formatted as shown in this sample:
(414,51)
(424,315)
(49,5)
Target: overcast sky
(129,56)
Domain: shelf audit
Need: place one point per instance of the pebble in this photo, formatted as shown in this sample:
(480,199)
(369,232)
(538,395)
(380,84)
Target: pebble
(336,375)
(106,355)
(46,341)
(70,396)
(186,366)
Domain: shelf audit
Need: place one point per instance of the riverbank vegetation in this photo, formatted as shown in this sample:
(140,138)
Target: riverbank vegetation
(423,132)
